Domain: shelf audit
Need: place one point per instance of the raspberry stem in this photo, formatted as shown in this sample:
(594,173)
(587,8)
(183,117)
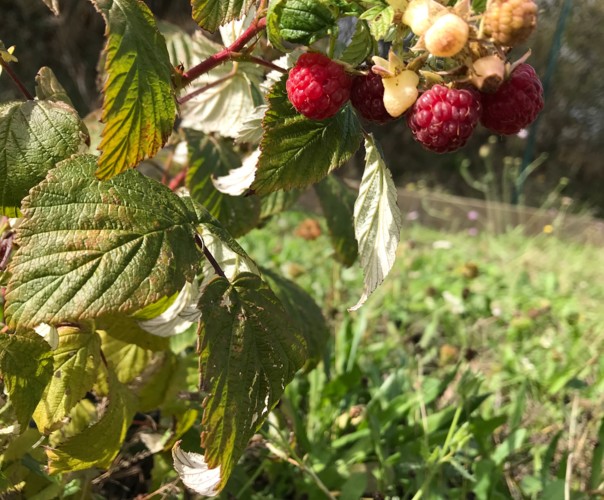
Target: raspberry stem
(225,54)
(16,80)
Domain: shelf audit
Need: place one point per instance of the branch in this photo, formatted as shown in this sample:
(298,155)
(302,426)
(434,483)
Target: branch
(225,54)
(208,255)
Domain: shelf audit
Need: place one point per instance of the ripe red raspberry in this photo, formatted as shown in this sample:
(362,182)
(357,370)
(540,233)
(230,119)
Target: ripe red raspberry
(442,119)
(317,86)
(367,96)
(516,103)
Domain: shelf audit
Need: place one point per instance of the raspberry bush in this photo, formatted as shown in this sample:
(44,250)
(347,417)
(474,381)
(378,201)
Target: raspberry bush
(120,274)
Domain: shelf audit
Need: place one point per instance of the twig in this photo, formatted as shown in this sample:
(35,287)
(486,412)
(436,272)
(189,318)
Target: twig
(225,54)
(178,178)
(16,80)
(208,255)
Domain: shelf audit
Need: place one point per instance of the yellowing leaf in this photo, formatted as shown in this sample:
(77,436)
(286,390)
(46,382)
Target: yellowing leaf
(35,136)
(26,368)
(139,106)
(75,365)
(100,443)
(250,350)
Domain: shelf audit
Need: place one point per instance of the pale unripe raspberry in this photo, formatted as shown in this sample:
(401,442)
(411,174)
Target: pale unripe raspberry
(400,92)
(420,14)
(447,36)
(510,22)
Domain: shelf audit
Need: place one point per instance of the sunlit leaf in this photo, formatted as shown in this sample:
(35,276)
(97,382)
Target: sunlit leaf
(35,135)
(296,151)
(126,360)
(139,106)
(88,248)
(48,87)
(100,443)
(250,350)
(26,368)
(210,14)
(377,221)
(75,367)
(299,21)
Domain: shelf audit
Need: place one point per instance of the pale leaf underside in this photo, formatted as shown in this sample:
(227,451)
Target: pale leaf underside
(378,221)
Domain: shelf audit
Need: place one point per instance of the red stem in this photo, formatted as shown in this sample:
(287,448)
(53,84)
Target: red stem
(178,179)
(15,79)
(225,54)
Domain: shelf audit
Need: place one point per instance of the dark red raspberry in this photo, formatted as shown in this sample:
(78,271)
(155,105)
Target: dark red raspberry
(317,86)
(442,119)
(367,96)
(516,103)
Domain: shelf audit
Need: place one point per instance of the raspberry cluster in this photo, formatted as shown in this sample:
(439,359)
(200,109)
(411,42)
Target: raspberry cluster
(484,88)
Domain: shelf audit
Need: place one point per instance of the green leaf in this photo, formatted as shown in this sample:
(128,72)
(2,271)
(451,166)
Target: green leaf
(156,380)
(296,151)
(361,45)
(337,202)
(88,248)
(99,444)
(34,136)
(377,221)
(380,19)
(75,366)
(304,312)
(229,255)
(299,21)
(278,201)
(597,460)
(212,157)
(210,14)
(48,88)
(26,367)
(127,329)
(139,106)
(223,107)
(249,353)
(126,360)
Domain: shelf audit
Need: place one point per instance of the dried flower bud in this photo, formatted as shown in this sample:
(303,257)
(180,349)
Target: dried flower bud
(487,73)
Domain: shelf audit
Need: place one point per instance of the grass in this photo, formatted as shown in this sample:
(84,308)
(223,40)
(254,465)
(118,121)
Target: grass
(474,371)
